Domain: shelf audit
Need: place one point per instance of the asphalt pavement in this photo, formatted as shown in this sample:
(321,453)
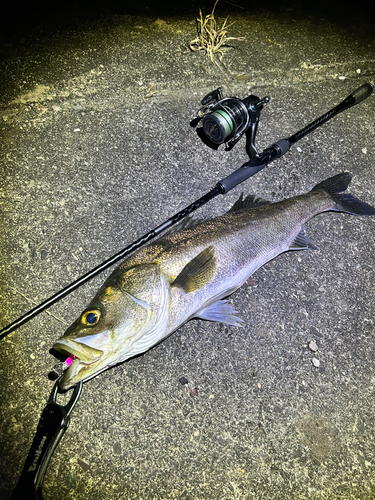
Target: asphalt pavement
(96,150)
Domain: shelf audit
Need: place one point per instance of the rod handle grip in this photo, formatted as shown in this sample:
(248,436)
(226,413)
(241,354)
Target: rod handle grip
(250,168)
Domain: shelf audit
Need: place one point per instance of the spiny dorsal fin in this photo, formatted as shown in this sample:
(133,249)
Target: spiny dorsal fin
(186,223)
(302,242)
(198,272)
(247,203)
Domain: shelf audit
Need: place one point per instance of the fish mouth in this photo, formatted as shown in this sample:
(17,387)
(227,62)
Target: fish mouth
(85,365)
(81,351)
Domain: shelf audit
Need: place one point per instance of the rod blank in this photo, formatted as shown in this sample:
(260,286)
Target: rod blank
(354,98)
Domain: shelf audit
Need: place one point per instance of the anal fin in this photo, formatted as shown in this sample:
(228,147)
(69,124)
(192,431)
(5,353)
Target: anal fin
(302,242)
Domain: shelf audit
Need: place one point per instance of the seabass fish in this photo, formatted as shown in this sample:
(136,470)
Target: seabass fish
(189,273)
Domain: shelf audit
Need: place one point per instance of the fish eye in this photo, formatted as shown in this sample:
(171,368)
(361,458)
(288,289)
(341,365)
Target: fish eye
(91,318)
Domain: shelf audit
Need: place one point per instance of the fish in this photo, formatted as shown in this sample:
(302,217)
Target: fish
(190,273)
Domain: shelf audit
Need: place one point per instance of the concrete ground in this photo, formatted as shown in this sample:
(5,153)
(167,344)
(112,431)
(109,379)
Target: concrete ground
(96,150)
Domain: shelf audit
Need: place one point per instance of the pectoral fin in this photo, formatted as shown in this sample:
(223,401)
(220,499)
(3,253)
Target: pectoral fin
(198,272)
(219,311)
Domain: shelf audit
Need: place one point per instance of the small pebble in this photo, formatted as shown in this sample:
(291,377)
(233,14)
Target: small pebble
(315,362)
(83,464)
(313,346)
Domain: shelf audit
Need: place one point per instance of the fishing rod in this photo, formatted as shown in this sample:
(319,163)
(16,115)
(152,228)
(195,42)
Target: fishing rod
(224,121)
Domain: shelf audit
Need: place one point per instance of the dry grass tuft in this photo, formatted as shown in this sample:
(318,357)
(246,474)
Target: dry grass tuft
(211,39)
(150,92)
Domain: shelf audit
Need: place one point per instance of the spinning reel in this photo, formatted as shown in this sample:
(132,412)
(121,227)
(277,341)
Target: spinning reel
(226,119)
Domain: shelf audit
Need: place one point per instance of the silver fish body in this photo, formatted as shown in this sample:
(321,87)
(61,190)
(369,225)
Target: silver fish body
(189,273)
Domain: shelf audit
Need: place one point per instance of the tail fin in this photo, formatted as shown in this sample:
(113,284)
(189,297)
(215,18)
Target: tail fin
(344,202)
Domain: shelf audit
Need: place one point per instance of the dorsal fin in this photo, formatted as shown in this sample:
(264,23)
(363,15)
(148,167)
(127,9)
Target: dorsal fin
(247,203)
(186,223)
